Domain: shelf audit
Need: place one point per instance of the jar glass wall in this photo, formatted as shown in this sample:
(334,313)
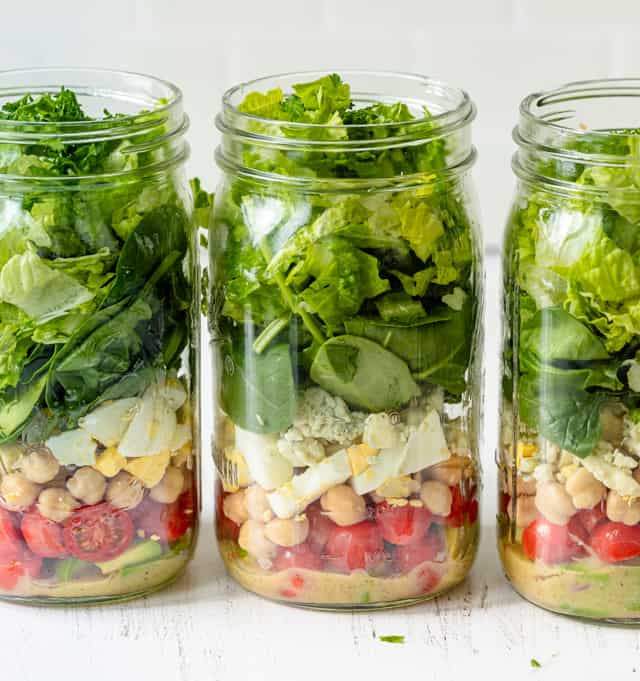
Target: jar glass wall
(569,519)
(344,315)
(99,337)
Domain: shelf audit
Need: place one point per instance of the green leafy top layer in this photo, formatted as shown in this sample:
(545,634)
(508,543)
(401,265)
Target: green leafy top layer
(323,110)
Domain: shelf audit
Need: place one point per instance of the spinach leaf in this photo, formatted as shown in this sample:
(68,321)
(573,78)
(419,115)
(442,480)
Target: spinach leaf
(399,307)
(363,373)
(160,234)
(17,405)
(567,375)
(258,390)
(436,349)
(557,404)
(103,356)
(553,334)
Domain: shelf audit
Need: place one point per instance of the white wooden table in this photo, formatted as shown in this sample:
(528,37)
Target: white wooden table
(205,628)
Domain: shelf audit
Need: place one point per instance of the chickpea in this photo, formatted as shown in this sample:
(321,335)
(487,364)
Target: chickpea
(526,511)
(257,503)
(18,492)
(88,485)
(40,466)
(554,503)
(289,532)
(436,496)
(449,472)
(253,540)
(343,505)
(621,511)
(170,487)
(235,508)
(125,491)
(584,489)
(57,504)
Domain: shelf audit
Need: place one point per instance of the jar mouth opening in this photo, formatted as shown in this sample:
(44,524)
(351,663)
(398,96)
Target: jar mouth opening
(449,107)
(594,121)
(142,94)
(145,111)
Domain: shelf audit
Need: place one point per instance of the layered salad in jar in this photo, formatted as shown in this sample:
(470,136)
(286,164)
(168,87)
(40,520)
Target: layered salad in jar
(343,327)
(570,463)
(97,474)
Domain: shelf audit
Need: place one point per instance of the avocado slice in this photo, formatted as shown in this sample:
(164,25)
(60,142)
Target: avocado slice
(140,553)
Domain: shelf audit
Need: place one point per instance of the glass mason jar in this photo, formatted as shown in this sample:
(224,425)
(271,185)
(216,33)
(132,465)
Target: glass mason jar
(345,314)
(98,337)
(570,445)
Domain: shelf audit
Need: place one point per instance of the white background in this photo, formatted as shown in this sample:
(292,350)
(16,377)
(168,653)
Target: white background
(205,628)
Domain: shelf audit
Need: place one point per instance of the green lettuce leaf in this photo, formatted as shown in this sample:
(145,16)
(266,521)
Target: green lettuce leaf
(344,277)
(40,291)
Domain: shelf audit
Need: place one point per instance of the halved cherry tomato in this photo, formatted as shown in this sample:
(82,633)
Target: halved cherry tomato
(301,556)
(152,517)
(181,515)
(405,558)
(615,542)
(11,546)
(12,570)
(320,527)
(43,536)
(355,546)
(549,543)
(403,525)
(428,578)
(169,522)
(589,518)
(97,533)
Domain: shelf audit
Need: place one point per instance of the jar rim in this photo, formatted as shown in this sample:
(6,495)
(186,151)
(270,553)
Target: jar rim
(173,96)
(450,112)
(155,105)
(460,112)
(549,124)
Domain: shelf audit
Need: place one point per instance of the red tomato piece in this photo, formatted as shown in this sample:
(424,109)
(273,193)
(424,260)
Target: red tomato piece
(10,573)
(616,542)
(549,543)
(170,521)
(428,579)
(589,518)
(355,546)
(301,556)
(97,533)
(11,546)
(181,515)
(403,525)
(43,536)
(12,570)
(458,508)
(320,527)
(472,511)
(405,558)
